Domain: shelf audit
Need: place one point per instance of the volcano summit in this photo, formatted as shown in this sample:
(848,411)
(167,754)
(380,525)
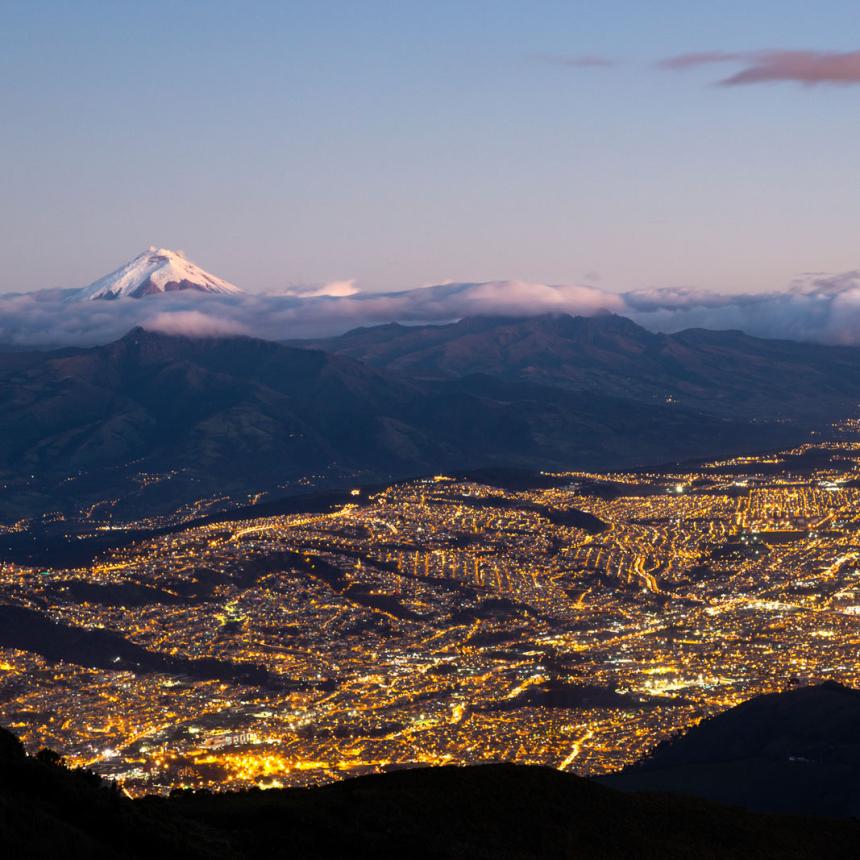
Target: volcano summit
(156,270)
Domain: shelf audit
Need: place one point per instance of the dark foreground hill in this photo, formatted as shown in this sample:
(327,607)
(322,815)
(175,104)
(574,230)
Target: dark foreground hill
(492,811)
(158,421)
(797,751)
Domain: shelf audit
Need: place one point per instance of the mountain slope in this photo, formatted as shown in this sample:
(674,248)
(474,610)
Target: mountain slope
(491,811)
(156,270)
(724,373)
(797,752)
(236,414)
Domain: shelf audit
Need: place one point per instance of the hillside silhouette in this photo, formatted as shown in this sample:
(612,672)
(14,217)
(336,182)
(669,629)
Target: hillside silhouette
(797,751)
(489,811)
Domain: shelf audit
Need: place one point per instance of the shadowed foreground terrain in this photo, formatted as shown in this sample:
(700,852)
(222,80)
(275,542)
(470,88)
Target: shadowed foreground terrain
(491,811)
(793,752)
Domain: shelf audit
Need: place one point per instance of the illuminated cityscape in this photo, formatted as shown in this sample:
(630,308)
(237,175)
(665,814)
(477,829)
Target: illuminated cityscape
(429,430)
(569,619)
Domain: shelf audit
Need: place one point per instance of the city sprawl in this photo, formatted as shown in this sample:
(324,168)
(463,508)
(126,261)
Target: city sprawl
(574,621)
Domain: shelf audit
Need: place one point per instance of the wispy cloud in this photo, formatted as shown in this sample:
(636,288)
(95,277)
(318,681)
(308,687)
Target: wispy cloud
(699,58)
(809,68)
(577,61)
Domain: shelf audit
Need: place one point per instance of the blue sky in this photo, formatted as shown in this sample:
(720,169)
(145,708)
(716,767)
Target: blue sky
(404,143)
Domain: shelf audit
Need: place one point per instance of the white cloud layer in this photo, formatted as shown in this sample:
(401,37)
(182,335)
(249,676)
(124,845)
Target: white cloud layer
(824,308)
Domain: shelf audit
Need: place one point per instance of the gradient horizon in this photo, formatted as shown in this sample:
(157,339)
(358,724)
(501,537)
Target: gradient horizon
(409,143)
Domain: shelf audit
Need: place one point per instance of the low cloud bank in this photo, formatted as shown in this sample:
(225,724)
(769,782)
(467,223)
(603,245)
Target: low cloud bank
(823,308)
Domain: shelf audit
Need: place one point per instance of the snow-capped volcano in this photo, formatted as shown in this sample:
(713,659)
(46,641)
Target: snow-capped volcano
(156,270)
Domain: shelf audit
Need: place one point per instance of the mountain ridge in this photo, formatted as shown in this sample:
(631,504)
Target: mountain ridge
(237,414)
(726,373)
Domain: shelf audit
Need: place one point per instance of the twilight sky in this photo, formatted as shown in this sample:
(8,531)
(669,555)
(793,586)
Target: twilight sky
(626,144)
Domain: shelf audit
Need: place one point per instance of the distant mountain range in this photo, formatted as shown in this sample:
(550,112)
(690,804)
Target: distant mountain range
(489,811)
(717,372)
(793,752)
(233,415)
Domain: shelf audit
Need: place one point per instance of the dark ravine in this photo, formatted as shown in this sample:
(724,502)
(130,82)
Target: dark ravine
(30,630)
(58,549)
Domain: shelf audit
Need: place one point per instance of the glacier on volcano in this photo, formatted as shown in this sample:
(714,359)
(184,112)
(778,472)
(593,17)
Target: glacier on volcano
(156,270)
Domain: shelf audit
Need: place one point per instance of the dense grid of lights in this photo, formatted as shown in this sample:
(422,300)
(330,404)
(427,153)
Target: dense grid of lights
(454,622)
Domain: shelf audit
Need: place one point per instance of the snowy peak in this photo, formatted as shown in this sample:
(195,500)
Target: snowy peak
(156,270)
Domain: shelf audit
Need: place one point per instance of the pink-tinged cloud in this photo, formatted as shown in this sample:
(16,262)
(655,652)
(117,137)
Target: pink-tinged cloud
(805,67)
(194,324)
(331,288)
(809,68)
